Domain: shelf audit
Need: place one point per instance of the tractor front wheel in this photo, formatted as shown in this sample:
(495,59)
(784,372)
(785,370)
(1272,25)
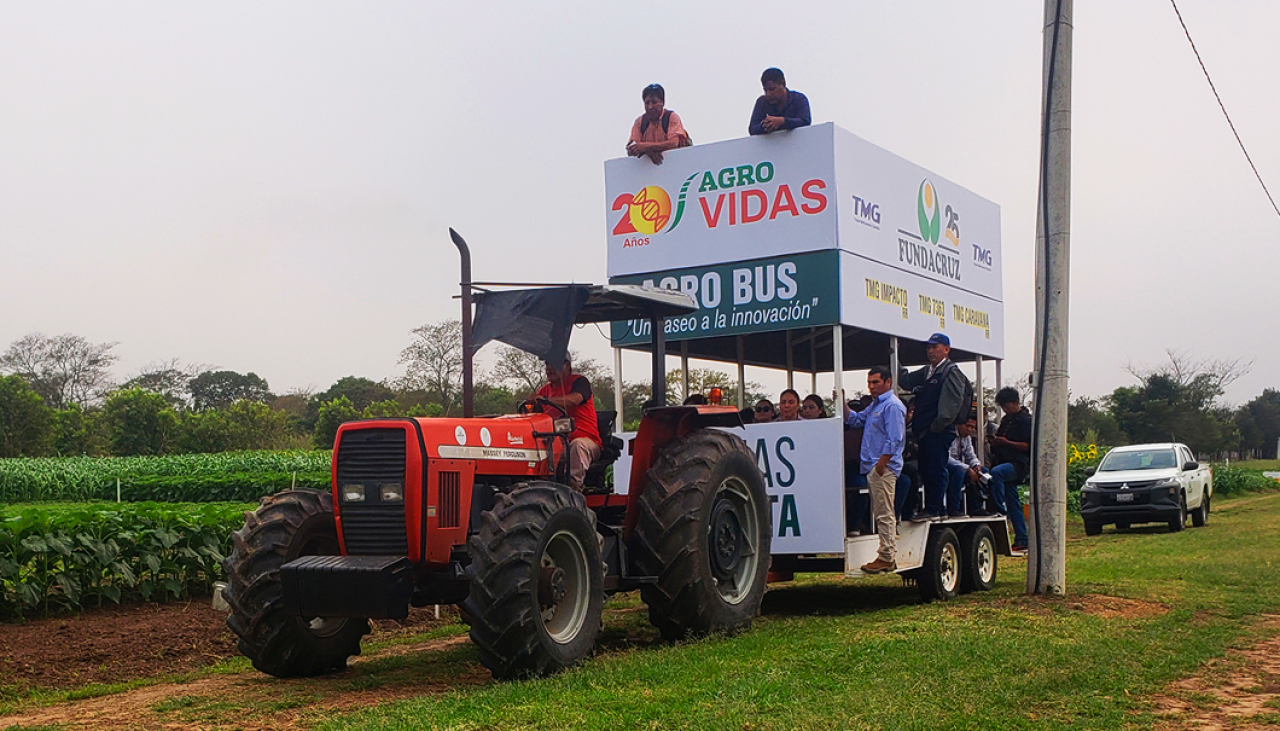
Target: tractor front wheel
(289,525)
(537,582)
(704,532)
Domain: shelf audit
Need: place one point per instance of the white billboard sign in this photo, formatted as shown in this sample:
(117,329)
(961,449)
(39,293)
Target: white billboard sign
(890,300)
(897,213)
(803,464)
(812,189)
(727,201)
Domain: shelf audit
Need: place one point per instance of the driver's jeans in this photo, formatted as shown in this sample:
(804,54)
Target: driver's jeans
(582,452)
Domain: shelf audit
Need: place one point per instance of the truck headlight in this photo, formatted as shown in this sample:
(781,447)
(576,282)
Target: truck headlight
(353,493)
(390,492)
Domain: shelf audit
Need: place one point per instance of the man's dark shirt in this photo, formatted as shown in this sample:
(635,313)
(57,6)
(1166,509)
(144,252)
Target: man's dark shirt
(796,112)
(1015,427)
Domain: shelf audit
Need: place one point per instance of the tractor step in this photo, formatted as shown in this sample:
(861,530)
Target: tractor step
(377,587)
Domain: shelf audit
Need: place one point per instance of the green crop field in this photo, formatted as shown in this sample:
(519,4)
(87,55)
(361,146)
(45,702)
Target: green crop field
(229,476)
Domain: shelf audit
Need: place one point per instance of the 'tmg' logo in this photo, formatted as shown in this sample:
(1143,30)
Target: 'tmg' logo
(981,256)
(863,208)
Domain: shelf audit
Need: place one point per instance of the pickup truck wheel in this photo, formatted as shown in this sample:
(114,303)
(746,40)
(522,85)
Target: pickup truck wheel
(939,578)
(979,562)
(1179,522)
(1201,515)
(1092,528)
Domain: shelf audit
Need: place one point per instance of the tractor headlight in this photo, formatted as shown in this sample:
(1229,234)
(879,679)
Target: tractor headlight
(353,493)
(562,426)
(390,492)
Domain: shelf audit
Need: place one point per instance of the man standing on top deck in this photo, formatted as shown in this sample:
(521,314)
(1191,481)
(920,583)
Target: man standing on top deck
(779,107)
(939,390)
(657,130)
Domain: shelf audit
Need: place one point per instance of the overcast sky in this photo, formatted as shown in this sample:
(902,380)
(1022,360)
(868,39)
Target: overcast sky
(267,186)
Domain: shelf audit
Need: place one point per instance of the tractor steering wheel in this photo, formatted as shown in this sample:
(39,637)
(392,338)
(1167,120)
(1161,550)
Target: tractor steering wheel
(543,401)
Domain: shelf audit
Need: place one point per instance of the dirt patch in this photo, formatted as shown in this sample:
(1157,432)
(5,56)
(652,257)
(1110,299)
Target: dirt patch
(1116,607)
(120,643)
(1240,692)
(1098,605)
(249,701)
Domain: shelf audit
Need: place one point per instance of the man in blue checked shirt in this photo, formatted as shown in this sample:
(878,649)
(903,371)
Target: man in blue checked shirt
(884,425)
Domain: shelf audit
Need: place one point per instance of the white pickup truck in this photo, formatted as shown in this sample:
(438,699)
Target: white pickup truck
(1146,483)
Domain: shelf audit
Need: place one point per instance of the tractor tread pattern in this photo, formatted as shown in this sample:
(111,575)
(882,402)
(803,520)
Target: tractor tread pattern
(502,602)
(670,540)
(279,643)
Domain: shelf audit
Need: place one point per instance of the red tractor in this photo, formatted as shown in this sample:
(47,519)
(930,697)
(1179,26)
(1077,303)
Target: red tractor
(477,512)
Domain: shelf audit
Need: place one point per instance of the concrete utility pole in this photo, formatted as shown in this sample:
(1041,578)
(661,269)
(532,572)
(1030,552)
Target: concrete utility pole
(1046,562)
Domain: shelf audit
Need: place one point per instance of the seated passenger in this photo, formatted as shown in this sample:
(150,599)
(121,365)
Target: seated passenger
(789,405)
(696,399)
(779,107)
(764,412)
(965,470)
(813,408)
(658,129)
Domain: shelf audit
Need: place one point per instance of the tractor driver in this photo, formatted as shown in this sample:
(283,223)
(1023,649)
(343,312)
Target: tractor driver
(572,394)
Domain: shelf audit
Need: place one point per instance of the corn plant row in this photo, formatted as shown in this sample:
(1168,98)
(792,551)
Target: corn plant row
(66,558)
(95,478)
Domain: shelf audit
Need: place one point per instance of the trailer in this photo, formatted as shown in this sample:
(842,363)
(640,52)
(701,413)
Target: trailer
(816,253)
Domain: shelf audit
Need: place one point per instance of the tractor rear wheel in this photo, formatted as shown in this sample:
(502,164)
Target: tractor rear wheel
(286,526)
(537,581)
(704,531)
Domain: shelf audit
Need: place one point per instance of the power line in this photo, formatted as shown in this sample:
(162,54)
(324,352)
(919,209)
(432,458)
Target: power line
(1223,107)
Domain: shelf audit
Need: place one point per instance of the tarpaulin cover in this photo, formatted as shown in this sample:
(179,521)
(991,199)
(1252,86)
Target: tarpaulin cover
(537,321)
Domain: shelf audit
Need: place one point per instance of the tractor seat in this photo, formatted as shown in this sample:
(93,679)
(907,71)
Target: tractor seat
(594,481)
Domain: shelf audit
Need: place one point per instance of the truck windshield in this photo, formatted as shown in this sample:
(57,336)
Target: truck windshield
(1144,459)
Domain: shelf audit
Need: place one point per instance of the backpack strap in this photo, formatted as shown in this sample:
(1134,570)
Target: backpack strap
(666,123)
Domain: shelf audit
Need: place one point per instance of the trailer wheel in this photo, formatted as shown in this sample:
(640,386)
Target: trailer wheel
(979,559)
(537,581)
(704,531)
(1179,522)
(939,578)
(286,526)
(1092,528)
(1200,517)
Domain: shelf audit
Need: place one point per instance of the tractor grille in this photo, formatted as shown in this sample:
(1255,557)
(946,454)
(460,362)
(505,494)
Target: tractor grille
(372,457)
(450,510)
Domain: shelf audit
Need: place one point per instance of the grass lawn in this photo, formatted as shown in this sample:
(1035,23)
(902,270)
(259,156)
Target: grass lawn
(1144,607)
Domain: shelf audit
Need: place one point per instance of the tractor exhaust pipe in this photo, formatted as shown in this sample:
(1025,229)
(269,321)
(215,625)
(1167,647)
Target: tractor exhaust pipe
(468,387)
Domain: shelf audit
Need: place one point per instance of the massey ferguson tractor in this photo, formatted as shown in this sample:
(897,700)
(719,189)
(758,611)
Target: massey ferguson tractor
(478,512)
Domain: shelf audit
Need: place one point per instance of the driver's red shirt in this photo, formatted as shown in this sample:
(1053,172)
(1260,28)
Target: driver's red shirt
(584,414)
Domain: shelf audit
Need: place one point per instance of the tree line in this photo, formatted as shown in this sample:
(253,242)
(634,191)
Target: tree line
(58,398)
(1181,401)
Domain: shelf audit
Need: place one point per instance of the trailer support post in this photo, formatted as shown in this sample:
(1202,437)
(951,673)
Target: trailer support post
(837,366)
(742,375)
(617,386)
